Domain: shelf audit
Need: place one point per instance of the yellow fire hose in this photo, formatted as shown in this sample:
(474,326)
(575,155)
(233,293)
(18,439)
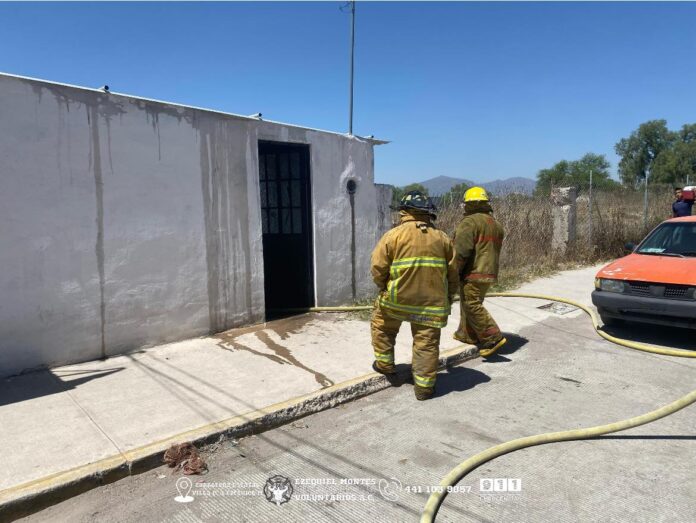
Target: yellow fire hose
(595,323)
(456,474)
(461,470)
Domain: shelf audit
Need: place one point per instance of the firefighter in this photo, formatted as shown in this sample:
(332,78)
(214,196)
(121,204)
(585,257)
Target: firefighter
(478,240)
(414,267)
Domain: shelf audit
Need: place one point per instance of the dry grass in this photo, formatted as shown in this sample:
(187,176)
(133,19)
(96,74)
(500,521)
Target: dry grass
(617,218)
(528,222)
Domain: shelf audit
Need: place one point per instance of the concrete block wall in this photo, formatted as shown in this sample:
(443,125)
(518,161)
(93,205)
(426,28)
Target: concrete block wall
(126,223)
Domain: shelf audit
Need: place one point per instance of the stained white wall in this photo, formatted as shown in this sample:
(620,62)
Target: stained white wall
(126,223)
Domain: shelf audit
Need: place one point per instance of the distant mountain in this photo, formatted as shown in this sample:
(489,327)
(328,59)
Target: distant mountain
(516,184)
(441,184)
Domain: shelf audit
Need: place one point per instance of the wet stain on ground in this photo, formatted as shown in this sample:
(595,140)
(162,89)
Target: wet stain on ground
(229,340)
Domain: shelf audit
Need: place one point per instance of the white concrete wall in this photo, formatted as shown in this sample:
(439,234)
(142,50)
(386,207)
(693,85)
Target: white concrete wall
(126,223)
(384,211)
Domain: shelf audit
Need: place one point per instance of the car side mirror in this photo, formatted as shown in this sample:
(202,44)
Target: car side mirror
(630,247)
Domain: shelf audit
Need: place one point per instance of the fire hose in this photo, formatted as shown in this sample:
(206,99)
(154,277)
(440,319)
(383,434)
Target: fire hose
(460,471)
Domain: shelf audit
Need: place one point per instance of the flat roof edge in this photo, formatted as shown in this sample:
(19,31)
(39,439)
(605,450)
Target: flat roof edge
(373,141)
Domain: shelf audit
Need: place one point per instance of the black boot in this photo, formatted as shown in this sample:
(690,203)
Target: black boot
(423,393)
(392,378)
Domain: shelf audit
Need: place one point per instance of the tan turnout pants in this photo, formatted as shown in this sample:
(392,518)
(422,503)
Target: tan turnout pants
(426,347)
(476,325)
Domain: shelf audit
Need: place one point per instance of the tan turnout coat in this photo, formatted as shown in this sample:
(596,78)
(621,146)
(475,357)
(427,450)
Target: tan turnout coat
(414,266)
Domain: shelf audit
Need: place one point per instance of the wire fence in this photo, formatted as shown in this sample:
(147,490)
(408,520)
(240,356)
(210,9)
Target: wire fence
(605,222)
(608,219)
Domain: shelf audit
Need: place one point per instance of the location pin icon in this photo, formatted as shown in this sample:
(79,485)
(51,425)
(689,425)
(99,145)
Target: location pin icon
(183,488)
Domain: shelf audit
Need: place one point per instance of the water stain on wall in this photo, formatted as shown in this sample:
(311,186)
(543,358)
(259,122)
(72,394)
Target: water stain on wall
(96,167)
(211,195)
(153,118)
(223,183)
(224,190)
(96,106)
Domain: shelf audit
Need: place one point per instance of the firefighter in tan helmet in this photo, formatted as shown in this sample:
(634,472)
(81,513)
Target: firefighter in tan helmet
(414,266)
(478,240)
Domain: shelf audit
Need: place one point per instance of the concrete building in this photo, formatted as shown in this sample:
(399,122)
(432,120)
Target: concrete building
(127,222)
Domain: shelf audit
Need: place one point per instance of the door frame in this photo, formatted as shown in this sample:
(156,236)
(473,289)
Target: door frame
(306,159)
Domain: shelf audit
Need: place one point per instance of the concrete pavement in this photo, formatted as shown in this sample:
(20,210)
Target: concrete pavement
(374,459)
(62,421)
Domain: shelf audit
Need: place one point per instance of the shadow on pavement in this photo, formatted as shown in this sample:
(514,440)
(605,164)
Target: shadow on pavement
(403,375)
(673,337)
(459,379)
(514,343)
(44,383)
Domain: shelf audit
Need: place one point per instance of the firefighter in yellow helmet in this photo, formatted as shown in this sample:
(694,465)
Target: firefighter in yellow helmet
(415,268)
(478,240)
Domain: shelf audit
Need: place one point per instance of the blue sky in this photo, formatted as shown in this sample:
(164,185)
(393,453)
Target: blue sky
(473,90)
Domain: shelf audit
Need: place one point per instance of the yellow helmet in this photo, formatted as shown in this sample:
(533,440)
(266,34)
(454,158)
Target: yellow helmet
(476,194)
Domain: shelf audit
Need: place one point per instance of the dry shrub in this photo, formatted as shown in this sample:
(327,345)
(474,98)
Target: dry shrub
(617,218)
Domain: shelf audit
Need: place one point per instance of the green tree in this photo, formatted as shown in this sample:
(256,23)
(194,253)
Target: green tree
(688,133)
(399,192)
(576,173)
(556,176)
(677,165)
(455,194)
(640,150)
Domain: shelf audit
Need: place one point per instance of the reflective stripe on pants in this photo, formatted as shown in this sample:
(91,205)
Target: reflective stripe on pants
(426,346)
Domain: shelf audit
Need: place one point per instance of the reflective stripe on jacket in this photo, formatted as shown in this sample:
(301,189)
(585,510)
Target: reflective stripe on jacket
(414,266)
(478,241)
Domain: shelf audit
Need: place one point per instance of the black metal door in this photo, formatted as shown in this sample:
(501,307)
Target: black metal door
(287,226)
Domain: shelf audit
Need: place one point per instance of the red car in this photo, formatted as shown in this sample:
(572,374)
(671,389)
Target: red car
(656,283)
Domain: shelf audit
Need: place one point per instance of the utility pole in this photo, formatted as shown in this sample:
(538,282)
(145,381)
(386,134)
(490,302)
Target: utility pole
(352,64)
(645,202)
(590,212)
